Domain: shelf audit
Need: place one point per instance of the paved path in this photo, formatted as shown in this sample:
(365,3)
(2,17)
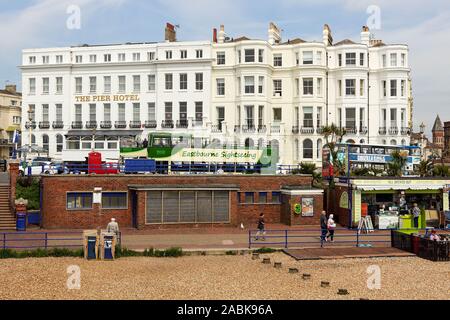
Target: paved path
(345,253)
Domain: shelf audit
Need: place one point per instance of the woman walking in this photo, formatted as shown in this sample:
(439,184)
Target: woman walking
(261,228)
(331,225)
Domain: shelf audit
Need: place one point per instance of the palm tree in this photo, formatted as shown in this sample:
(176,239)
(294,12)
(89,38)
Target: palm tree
(397,164)
(334,135)
(311,169)
(425,168)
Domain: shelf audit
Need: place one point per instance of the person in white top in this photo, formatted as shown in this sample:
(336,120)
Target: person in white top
(331,225)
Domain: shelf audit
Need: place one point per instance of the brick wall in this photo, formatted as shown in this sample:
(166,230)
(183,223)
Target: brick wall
(288,215)
(55,214)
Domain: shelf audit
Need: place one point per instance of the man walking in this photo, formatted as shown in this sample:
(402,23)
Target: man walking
(261,228)
(323,228)
(416,214)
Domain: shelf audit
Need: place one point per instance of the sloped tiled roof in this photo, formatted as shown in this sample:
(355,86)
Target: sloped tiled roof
(437,125)
(345,41)
(294,41)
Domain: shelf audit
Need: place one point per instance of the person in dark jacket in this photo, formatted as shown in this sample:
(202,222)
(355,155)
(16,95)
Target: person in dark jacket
(261,228)
(323,228)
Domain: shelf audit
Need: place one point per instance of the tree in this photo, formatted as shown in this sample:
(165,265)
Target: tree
(397,164)
(311,169)
(334,135)
(425,168)
(441,171)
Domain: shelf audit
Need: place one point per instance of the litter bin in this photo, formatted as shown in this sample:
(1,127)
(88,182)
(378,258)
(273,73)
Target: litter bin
(107,246)
(90,244)
(21,222)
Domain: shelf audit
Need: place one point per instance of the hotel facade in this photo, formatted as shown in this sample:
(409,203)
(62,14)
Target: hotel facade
(233,91)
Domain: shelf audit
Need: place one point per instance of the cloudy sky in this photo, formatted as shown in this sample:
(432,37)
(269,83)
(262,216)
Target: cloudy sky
(424,26)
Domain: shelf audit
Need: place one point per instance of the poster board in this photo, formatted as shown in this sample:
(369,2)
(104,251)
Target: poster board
(307,207)
(356,206)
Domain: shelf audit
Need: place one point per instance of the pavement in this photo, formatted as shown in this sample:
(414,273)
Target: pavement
(215,238)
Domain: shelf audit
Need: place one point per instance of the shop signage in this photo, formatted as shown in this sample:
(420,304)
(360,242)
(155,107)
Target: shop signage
(343,202)
(356,206)
(297,208)
(108,98)
(307,207)
(400,182)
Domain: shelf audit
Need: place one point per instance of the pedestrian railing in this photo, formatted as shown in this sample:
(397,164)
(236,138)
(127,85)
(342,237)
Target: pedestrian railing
(43,240)
(421,246)
(312,238)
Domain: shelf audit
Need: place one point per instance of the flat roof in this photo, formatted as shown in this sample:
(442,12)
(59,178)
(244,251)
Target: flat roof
(185,187)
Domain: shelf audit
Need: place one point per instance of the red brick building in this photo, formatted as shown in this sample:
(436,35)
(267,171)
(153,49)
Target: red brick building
(143,201)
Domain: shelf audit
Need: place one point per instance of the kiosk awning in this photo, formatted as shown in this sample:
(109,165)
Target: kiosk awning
(387,188)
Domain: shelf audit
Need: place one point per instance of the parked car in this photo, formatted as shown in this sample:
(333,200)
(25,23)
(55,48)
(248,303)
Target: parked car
(38,168)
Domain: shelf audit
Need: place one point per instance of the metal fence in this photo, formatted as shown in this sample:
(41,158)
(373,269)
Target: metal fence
(43,240)
(421,246)
(311,238)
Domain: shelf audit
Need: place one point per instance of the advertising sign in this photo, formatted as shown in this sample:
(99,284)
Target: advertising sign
(307,207)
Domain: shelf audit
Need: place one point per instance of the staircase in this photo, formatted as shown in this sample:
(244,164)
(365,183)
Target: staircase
(7,218)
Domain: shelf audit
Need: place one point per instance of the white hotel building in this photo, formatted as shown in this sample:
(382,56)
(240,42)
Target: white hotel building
(236,91)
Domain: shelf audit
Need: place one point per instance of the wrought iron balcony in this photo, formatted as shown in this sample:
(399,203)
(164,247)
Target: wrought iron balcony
(275,129)
(44,125)
(77,125)
(307,130)
(351,130)
(58,125)
(262,129)
(183,124)
(120,124)
(135,124)
(91,125)
(150,124)
(406,131)
(295,129)
(382,130)
(393,130)
(106,124)
(167,124)
(216,128)
(248,128)
(30,125)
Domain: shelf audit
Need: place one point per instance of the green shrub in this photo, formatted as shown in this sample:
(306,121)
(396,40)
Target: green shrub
(28,189)
(40,253)
(173,252)
(231,253)
(265,250)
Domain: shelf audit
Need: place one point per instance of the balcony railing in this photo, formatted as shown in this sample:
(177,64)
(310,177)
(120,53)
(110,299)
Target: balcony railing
(351,130)
(406,131)
(295,129)
(393,130)
(275,129)
(150,124)
(382,130)
(91,125)
(58,125)
(248,128)
(167,124)
(363,130)
(120,124)
(262,129)
(216,128)
(44,125)
(307,130)
(106,124)
(182,124)
(31,125)
(319,129)
(135,124)
(77,125)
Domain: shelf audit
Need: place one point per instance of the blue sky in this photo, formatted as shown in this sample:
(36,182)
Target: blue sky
(425,28)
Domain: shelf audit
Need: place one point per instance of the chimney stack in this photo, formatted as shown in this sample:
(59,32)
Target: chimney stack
(365,35)
(170,33)
(11,88)
(221,38)
(274,34)
(214,35)
(327,37)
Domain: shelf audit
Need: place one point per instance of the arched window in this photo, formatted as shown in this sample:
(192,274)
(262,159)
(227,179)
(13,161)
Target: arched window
(383,142)
(249,143)
(319,149)
(59,143)
(393,142)
(33,139)
(45,142)
(307,149)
